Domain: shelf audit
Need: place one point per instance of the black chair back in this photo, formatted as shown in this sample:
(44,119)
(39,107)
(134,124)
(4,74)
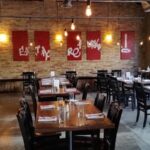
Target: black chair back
(102,71)
(25,130)
(25,106)
(96,98)
(85,91)
(140,94)
(102,82)
(34,99)
(101,102)
(114,114)
(72,77)
(28,78)
(117,73)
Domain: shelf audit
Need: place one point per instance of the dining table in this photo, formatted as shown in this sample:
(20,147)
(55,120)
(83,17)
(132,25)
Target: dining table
(49,114)
(60,92)
(49,81)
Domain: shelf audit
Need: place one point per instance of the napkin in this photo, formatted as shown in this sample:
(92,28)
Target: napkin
(81,103)
(47,119)
(45,91)
(44,107)
(94,116)
(71,90)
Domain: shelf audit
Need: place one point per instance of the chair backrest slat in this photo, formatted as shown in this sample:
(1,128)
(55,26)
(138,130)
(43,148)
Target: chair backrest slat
(114,114)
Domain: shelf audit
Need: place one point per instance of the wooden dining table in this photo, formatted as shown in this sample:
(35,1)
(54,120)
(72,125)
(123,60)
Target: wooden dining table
(72,121)
(48,82)
(61,92)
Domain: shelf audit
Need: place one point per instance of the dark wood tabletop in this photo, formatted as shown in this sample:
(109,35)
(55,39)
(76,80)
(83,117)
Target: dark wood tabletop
(73,122)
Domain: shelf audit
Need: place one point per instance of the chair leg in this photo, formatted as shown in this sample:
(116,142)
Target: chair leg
(133,102)
(145,119)
(138,114)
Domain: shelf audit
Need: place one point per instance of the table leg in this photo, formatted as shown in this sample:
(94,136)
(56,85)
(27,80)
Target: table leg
(70,140)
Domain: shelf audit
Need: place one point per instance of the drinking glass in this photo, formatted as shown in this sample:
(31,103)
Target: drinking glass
(71,96)
(62,115)
(80,114)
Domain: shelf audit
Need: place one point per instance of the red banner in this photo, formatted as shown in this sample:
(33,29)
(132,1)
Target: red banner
(127,44)
(20,45)
(42,45)
(93,45)
(74,46)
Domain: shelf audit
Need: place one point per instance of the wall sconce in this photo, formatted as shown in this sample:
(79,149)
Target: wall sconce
(88,11)
(118,43)
(31,44)
(78,37)
(3,38)
(108,38)
(58,38)
(65,32)
(73,25)
(149,37)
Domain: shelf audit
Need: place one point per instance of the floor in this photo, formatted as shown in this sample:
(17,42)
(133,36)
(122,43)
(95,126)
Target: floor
(131,136)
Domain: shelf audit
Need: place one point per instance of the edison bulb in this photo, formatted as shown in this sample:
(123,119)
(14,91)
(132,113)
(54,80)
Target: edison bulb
(88,11)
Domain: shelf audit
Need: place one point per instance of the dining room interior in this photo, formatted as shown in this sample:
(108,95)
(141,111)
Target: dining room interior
(74,74)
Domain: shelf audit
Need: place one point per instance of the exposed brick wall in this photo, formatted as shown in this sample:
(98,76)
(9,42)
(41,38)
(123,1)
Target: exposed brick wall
(110,58)
(145,49)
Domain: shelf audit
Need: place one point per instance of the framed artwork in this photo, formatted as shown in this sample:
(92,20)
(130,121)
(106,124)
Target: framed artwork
(20,46)
(42,45)
(74,43)
(93,45)
(127,44)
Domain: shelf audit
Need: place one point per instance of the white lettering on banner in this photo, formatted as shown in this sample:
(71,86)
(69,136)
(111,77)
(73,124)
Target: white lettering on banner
(23,51)
(125,49)
(44,53)
(94,44)
(76,51)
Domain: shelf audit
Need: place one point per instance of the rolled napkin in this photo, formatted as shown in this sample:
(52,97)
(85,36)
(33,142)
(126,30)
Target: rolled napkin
(94,116)
(81,103)
(71,90)
(47,119)
(44,107)
(45,91)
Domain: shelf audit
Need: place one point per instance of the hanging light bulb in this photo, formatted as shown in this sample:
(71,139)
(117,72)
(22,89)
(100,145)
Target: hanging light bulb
(72,25)
(141,43)
(65,32)
(149,37)
(88,10)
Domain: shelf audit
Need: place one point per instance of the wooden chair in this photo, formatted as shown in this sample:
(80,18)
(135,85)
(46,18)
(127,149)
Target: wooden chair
(102,82)
(32,142)
(117,73)
(85,91)
(109,140)
(142,102)
(72,77)
(100,101)
(129,95)
(28,79)
(34,99)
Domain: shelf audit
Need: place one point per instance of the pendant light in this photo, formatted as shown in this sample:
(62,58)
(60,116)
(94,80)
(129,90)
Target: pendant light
(88,11)
(72,25)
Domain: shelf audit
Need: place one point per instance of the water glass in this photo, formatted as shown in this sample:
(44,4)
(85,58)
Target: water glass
(81,114)
(62,115)
(71,96)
